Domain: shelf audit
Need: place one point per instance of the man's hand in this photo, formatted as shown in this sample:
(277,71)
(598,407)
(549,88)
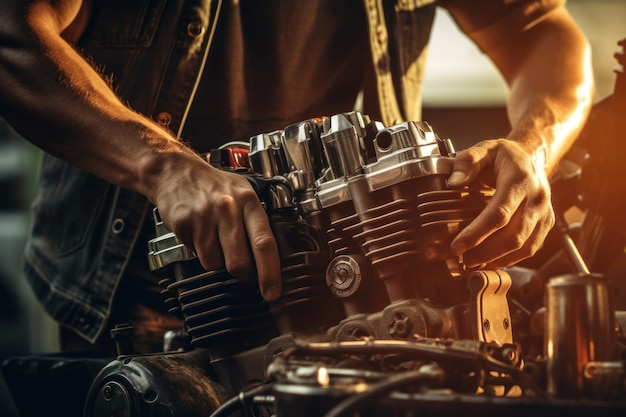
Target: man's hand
(547,65)
(43,78)
(220,217)
(517,219)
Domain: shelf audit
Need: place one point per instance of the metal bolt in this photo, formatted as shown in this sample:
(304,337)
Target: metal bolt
(107,392)
(486,325)
(401,326)
(506,323)
(590,371)
(510,355)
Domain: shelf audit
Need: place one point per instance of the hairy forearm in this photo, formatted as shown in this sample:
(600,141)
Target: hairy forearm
(58,101)
(551,85)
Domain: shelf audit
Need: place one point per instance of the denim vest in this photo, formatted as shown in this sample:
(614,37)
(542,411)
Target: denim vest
(83,228)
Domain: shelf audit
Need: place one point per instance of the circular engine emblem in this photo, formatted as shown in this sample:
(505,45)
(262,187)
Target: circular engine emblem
(343,276)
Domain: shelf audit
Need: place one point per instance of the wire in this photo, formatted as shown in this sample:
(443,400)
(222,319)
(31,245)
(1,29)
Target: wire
(241,401)
(353,403)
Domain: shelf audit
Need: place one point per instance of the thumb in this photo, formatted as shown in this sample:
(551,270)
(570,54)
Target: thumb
(466,166)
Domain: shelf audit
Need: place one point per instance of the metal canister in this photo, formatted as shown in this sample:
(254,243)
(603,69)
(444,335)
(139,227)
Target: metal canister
(580,328)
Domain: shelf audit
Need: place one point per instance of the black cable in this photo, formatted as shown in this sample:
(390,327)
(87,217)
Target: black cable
(355,402)
(240,401)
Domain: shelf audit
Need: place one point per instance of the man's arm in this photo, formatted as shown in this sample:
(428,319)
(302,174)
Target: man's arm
(55,99)
(548,69)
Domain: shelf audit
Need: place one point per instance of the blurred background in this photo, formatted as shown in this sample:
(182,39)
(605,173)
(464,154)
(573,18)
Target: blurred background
(464,100)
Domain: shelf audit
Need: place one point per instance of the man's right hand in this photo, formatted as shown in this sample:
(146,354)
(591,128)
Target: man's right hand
(219,215)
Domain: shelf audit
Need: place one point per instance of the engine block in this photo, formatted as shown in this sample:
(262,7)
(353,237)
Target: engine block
(376,314)
(363,220)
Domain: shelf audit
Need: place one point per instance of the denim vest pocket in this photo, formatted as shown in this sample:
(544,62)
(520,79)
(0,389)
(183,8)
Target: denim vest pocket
(126,23)
(67,202)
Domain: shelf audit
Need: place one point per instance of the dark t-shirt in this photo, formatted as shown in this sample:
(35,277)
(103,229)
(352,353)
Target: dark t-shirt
(273,63)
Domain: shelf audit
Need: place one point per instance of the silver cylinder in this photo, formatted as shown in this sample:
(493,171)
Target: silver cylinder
(580,327)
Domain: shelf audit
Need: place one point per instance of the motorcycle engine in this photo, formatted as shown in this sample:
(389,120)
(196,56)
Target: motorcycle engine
(376,314)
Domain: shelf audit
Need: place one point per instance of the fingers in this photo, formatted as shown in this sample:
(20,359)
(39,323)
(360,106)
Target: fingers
(497,214)
(526,250)
(518,217)
(209,250)
(467,165)
(247,243)
(264,250)
(232,237)
(221,218)
(520,239)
